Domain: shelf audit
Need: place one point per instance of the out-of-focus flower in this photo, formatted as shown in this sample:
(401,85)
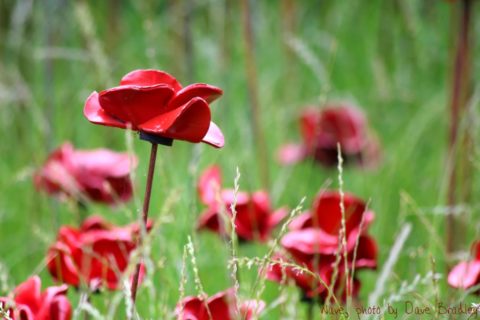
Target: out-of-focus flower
(94,255)
(154,102)
(314,243)
(322,129)
(221,306)
(254,217)
(466,274)
(99,175)
(29,303)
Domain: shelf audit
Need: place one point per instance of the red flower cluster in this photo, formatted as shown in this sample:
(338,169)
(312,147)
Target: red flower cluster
(466,274)
(254,219)
(323,128)
(96,254)
(222,306)
(29,303)
(99,175)
(313,243)
(154,102)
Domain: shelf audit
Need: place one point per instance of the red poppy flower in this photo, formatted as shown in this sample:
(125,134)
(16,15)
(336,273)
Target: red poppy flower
(29,303)
(96,254)
(222,306)
(322,129)
(314,242)
(466,274)
(154,102)
(312,283)
(254,219)
(99,175)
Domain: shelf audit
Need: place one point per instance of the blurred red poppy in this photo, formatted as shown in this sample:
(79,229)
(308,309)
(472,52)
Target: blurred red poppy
(313,243)
(323,128)
(95,255)
(466,274)
(254,218)
(99,175)
(154,102)
(222,306)
(29,303)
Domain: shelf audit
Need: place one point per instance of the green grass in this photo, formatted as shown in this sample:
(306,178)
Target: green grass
(390,57)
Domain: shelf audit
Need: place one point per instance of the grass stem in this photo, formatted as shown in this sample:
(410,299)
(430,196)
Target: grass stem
(252,84)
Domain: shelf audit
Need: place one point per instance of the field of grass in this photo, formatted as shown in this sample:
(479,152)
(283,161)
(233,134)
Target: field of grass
(392,58)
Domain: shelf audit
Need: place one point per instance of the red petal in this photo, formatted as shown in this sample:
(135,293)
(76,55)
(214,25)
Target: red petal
(464,275)
(302,221)
(211,220)
(95,114)
(104,162)
(205,91)
(366,255)
(60,309)
(95,223)
(222,305)
(328,215)
(344,124)
(291,154)
(191,308)
(189,122)
(134,104)
(277,216)
(61,264)
(209,184)
(309,120)
(310,241)
(476,250)
(28,293)
(250,309)
(150,77)
(214,136)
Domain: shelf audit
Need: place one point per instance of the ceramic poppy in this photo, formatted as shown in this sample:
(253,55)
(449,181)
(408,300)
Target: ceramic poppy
(99,175)
(154,103)
(29,303)
(96,254)
(322,129)
(221,306)
(255,219)
(466,274)
(312,282)
(313,243)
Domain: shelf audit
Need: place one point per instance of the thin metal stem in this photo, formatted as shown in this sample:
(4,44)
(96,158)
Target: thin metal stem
(460,90)
(146,205)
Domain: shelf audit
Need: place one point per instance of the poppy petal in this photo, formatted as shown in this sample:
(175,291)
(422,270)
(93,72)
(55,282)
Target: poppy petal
(214,136)
(202,90)
(220,305)
(134,104)
(28,293)
(95,114)
(103,163)
(60,308)
(209,184)
(150,77)
(310,241)
(291,154)
(464,275)
(277,216)
(189,122)
(329,215)
(250,309)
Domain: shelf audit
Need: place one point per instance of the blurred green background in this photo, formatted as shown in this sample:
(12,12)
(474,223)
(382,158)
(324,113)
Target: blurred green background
(392,58)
